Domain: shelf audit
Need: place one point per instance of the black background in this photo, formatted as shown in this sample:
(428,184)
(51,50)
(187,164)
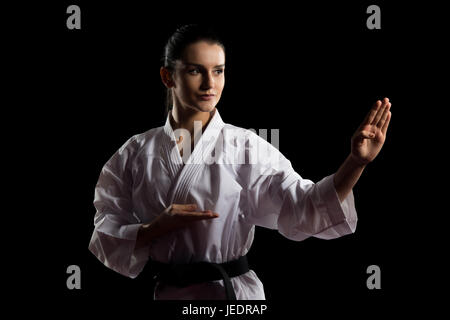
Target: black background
(310,70)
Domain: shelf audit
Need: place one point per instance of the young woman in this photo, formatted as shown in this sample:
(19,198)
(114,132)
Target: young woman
(183,199)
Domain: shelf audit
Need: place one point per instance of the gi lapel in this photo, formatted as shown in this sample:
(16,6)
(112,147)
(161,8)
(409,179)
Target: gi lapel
(170,151)
(184,176)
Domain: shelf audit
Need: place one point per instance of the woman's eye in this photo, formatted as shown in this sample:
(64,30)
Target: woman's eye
(196,71)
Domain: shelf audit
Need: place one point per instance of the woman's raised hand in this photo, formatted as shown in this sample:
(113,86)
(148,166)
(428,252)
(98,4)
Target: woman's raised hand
(371,134)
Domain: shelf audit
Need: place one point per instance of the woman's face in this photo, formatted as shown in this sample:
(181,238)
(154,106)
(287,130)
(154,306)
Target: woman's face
(199,72)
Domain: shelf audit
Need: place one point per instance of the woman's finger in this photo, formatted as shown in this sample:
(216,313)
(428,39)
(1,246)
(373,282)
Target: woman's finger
(206,213)
(386,123)
(186,207)
(189,217)
(372,113)
(380,124)
(379,113)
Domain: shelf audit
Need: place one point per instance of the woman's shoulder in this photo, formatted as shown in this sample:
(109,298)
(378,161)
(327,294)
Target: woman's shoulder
(140,141)
(147,136)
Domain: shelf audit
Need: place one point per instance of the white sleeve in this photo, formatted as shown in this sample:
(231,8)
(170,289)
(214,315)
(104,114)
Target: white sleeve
(114,237)
(279,198)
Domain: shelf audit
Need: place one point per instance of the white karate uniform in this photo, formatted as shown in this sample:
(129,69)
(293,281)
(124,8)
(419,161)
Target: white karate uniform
(147,174)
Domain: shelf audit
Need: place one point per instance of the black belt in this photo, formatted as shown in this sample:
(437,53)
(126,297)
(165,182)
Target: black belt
(182,275)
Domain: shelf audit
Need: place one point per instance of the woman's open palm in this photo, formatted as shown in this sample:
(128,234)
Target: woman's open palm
(369,138)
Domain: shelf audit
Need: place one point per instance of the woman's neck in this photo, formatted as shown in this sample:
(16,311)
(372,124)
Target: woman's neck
(185,117)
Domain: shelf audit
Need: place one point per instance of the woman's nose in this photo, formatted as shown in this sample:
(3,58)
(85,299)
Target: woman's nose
(208,82)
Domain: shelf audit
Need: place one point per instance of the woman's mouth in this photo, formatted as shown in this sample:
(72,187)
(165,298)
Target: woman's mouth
(206,97)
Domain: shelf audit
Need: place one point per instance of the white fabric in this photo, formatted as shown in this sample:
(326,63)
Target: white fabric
(147,174)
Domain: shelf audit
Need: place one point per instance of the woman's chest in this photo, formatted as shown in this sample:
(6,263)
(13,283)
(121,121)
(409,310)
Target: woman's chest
(210,186)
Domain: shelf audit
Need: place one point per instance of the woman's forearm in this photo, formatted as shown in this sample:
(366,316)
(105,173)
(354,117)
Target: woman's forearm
(347,176)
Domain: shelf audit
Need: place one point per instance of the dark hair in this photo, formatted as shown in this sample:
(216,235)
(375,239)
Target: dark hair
(180,39)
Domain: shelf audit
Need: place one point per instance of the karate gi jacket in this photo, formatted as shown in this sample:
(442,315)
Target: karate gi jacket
(231,171)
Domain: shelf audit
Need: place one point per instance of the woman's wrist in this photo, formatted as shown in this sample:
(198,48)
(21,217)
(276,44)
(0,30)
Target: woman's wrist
(147,233)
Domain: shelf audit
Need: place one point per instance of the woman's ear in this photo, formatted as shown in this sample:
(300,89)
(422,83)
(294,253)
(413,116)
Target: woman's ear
(166,77)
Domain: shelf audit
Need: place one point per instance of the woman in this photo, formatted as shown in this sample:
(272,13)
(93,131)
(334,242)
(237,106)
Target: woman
(179,200)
